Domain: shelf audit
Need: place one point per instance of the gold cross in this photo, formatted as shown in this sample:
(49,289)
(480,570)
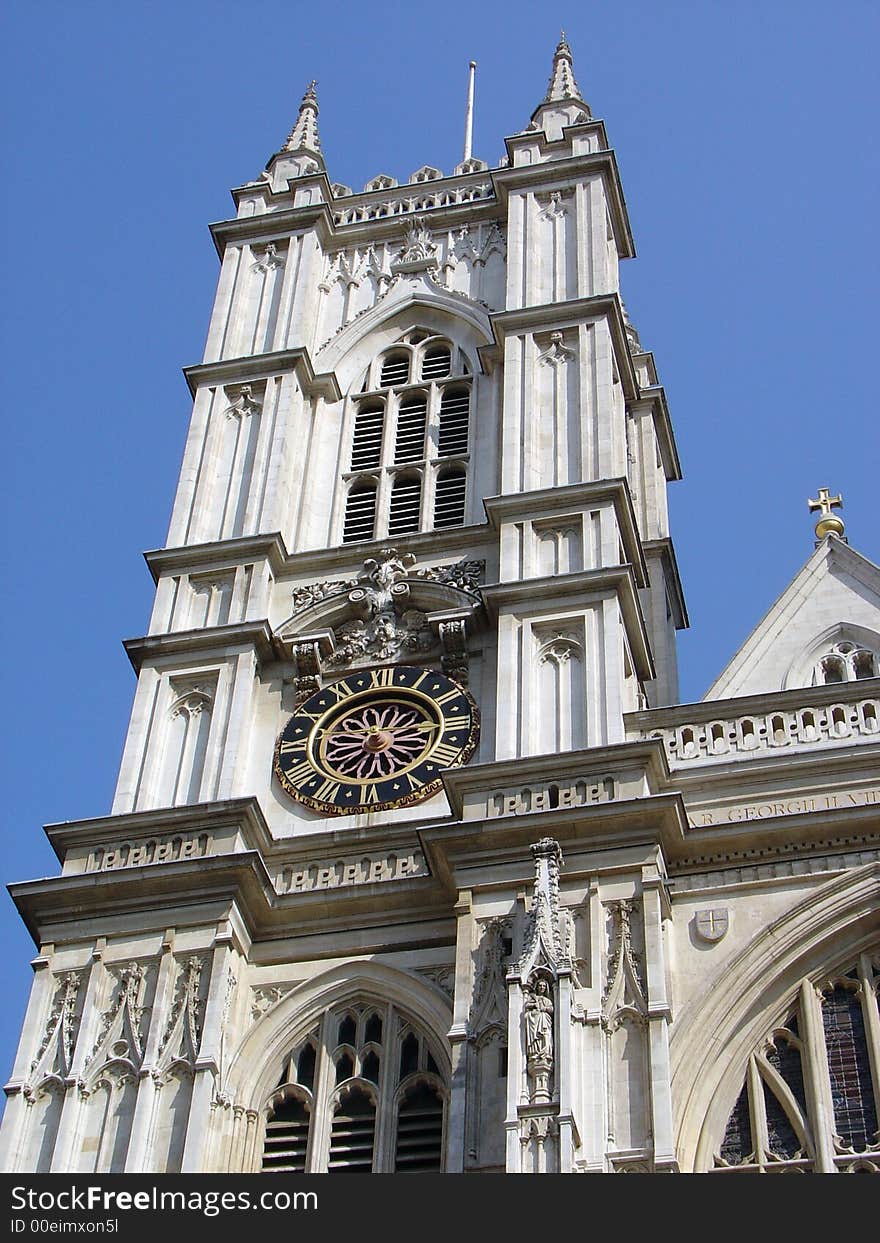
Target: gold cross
(825,502)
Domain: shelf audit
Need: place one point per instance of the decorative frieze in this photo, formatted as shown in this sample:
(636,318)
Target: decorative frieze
(368,868)
(138,853)
(523,800)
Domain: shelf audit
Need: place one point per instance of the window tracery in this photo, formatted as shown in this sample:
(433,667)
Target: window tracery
(809,1102)
(407,468)
(361,1093)
(845,661)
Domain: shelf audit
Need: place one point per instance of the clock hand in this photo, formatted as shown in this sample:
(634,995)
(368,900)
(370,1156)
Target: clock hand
(426,727)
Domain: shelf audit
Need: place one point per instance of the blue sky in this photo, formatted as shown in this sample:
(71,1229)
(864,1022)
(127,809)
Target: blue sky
(745,134)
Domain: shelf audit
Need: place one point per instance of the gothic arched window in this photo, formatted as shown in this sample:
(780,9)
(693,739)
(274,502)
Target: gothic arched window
(410,429)
(363,1092)
(809,1102)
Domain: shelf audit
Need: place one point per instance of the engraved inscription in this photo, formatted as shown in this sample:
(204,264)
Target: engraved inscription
(771,808)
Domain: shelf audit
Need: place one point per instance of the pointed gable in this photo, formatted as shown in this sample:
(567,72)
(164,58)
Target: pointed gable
(830,611)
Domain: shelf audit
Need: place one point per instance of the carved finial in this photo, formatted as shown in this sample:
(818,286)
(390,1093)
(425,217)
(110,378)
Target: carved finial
(562,85)
(304,135)
(829,523)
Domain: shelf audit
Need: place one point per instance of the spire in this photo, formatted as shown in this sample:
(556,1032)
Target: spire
(562,84)
(304,135)
(563,105)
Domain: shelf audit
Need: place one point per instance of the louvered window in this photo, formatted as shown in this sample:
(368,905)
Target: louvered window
(287,1137)
(366,447)
(436,363)
(395,370)
(419,1147)
(454,419)
(382,494)
(371,1067)
(406,499)
(352,1135)
(449,499)
(412,415)
(360,513)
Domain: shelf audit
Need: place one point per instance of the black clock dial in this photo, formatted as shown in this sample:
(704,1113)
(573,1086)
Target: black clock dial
(375,740)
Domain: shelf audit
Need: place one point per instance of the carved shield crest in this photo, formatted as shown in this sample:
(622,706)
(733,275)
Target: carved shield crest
(711,925)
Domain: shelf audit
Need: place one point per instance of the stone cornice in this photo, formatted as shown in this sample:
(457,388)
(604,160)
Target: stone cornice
(619,579)
(207,642)
(323,215)
(219,554)
(338,560)
(558,767)
(545,502)
(260,366)
(272,225)
(763,774)
(148,891)
(664,550)
(238,886)
(427,546)
(563,172)
(654,399)
(554,315)
(264,187)
(240,813)
(469,846)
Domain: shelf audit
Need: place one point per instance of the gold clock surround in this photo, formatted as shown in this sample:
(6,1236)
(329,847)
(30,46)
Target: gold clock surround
(375,740)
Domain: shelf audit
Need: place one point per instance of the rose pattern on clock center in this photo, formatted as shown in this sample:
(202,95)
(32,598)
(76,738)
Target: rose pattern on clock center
(377,741)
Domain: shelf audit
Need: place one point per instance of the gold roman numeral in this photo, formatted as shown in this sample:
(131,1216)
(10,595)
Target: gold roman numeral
(444,754)
(448,696)
(300,772)
(297,744)
(327,791)
(370,793)
(382,677)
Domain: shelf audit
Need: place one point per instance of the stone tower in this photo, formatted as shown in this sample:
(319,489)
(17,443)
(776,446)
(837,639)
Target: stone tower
(386,881)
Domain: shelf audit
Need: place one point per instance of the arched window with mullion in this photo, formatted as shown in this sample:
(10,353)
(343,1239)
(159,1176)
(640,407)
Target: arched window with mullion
(416,414)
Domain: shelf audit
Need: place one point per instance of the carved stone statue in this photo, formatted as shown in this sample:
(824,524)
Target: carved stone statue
(538,1017)
(539,1023)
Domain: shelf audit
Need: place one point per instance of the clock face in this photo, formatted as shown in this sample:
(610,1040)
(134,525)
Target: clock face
(376,739)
